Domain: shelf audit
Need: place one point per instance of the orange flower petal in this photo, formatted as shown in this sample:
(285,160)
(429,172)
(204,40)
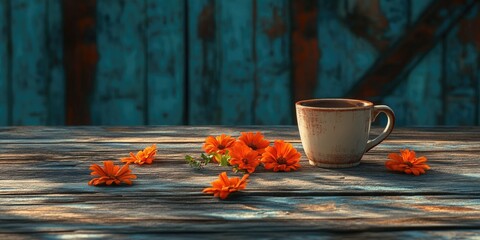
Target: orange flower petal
(395,157)
(108,167)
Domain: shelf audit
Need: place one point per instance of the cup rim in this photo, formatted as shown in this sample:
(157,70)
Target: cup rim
(366,104)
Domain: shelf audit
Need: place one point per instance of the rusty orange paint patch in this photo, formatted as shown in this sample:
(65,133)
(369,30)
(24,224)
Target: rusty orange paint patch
(468,32)
(206,23)
(80,58)
(368,21)
(305,50)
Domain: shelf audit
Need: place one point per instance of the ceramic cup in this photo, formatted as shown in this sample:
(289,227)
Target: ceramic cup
(335,132)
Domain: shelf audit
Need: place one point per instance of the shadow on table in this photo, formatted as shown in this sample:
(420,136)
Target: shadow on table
(433,182)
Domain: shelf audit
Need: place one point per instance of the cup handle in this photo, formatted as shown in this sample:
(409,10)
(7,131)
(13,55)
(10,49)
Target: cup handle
(388,129)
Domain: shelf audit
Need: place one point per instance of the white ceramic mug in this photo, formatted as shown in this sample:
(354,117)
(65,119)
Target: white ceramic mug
(335,132)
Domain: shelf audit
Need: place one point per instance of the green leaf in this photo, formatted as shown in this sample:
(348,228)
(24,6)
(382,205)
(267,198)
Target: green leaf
(193,162)
(224,159)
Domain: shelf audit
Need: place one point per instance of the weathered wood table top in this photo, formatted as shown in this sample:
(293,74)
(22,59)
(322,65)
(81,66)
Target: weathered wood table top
(44,192)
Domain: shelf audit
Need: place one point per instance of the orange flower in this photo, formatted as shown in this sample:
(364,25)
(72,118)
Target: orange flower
(244,157)
(223,186)
(281,157)
(218,144)
(255,141)
(407,162)
(146,156)
(111,173)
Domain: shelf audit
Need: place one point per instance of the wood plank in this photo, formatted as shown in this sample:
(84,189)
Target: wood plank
(166,68)
(56,76)
(351,34)
(325,213)
(236,61)
(192,134)
(4,62)
(305,48)
(203,79)
(404,234)
(121,70)
(422,86)
(80,58)
(391,67)
(29,65)
(273,103)
(461,71)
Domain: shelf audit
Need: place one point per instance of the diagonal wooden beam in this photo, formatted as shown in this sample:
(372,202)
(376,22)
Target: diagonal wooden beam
(390,69)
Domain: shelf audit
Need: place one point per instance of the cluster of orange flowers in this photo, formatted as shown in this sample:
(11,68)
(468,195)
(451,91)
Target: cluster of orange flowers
(246,154)
(111,173)
(251,149)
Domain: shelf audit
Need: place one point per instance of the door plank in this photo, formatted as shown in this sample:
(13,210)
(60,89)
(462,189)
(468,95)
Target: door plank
(80,58)
(119,90)
(203,80)
(462,71)
(305,48)
(236,63)
(29,65)
(4,62)
(273,103)
(165,87)
(56,75)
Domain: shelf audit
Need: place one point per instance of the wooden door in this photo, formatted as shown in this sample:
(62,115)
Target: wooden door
(136,62)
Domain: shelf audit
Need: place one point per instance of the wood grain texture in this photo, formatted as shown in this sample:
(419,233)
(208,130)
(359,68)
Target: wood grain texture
(203,79)
(119,88)
(45,194)
(236,61)
(165,86)
(4,62)
(273,102)
(29,64)
(462,71)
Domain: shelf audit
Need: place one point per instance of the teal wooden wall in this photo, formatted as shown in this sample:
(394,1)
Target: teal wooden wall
(137,62)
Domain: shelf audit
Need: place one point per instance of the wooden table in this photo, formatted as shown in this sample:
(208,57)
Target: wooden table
(44,192)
